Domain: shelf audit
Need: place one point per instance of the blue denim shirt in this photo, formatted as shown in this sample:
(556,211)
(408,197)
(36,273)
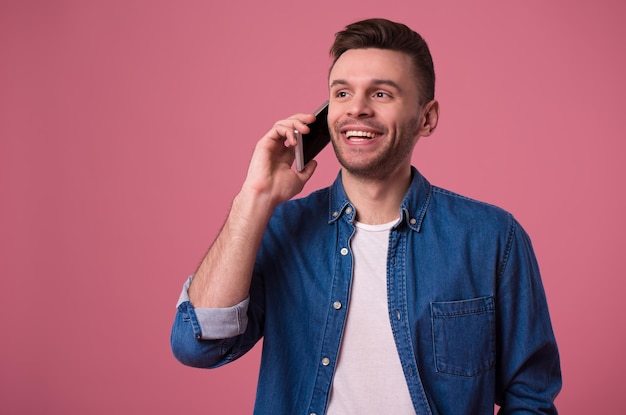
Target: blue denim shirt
(466,306)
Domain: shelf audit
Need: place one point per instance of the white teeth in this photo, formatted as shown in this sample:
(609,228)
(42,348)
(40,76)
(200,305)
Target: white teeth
(365,134)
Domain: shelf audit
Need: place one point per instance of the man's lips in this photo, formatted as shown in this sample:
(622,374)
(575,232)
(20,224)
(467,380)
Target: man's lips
(350,134)
(360,132)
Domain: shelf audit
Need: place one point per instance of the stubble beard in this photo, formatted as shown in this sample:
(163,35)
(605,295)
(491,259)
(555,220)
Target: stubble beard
(383,164)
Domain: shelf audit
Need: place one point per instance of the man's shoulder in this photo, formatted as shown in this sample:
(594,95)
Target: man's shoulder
(460,198)
(463,207)
(315,203)
(314,198)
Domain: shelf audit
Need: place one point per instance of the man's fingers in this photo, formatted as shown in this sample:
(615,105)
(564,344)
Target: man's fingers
(285,128)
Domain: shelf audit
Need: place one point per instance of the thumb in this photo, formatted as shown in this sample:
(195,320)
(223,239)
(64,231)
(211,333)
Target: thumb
(308,171)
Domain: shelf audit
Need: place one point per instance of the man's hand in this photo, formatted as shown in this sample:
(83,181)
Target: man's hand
(270,174)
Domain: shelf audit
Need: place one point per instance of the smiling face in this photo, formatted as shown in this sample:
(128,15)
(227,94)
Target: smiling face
(375,116)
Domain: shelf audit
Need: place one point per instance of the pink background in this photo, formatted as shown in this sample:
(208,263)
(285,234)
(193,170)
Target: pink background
(126,128)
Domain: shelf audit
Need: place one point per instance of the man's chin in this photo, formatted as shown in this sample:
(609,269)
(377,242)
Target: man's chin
(369,170)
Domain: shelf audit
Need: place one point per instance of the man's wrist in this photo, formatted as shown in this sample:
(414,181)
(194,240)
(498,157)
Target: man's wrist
(251,202)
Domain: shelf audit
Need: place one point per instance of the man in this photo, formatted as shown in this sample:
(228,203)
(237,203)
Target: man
(381,294)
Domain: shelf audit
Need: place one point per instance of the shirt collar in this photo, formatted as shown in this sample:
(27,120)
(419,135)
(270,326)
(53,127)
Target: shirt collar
(412,209)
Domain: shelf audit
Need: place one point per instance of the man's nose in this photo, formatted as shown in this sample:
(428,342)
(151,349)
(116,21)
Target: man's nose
(360,107)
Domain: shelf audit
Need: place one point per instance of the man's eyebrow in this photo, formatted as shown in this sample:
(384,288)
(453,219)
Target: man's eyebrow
(336,82)
(387,82)
(375,82)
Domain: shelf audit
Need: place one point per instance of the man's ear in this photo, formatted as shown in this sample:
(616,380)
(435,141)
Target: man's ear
(429,119)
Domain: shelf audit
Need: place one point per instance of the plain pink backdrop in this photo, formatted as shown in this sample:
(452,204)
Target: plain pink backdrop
(126,128)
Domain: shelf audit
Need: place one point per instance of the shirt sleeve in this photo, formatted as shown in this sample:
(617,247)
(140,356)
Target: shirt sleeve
(529,369)
(217,323)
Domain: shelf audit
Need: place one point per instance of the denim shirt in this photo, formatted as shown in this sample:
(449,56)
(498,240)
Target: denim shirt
(466,306)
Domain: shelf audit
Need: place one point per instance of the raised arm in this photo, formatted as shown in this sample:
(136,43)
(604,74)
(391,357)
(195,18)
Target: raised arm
(223,277)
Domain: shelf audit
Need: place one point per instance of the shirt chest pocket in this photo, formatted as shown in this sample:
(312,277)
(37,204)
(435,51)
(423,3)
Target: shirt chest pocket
(464,336)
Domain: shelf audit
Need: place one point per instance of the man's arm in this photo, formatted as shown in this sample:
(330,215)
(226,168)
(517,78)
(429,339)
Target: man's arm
(223,277)
(211,325)
(529,373)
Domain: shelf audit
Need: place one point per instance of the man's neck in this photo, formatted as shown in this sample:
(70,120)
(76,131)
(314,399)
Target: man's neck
(377,201)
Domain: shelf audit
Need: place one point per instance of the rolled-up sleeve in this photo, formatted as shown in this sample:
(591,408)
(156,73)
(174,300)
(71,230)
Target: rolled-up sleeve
(209,337)
(215,323)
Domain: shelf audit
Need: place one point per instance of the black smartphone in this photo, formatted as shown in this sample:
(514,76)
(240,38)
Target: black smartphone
(309,145)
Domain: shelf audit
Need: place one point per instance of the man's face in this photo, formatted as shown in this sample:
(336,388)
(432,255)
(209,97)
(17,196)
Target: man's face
(374,112)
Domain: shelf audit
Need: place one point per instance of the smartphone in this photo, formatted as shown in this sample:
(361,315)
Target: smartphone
(309,145)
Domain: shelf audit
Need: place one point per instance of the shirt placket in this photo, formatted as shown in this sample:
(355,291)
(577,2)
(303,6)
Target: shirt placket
(336,315)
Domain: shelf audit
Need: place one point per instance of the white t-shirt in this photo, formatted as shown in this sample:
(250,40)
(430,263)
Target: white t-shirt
(369,377)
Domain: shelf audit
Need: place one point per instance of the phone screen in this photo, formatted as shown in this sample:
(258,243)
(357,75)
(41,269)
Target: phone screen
(309,145)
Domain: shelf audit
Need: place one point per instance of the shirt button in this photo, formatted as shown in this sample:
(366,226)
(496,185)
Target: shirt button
(335,214)
(325,361)
(344,251)
(337,305)
(349,210)
(413,221)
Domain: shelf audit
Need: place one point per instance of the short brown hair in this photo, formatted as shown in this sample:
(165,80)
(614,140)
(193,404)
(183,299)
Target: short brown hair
(385,34)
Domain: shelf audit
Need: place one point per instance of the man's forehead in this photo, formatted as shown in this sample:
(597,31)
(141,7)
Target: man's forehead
(371,66)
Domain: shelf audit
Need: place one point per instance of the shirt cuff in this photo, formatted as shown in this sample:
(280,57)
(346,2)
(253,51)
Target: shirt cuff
(218,323)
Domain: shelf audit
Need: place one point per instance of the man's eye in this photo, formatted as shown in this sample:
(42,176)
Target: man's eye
(381,94)
(342,94)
